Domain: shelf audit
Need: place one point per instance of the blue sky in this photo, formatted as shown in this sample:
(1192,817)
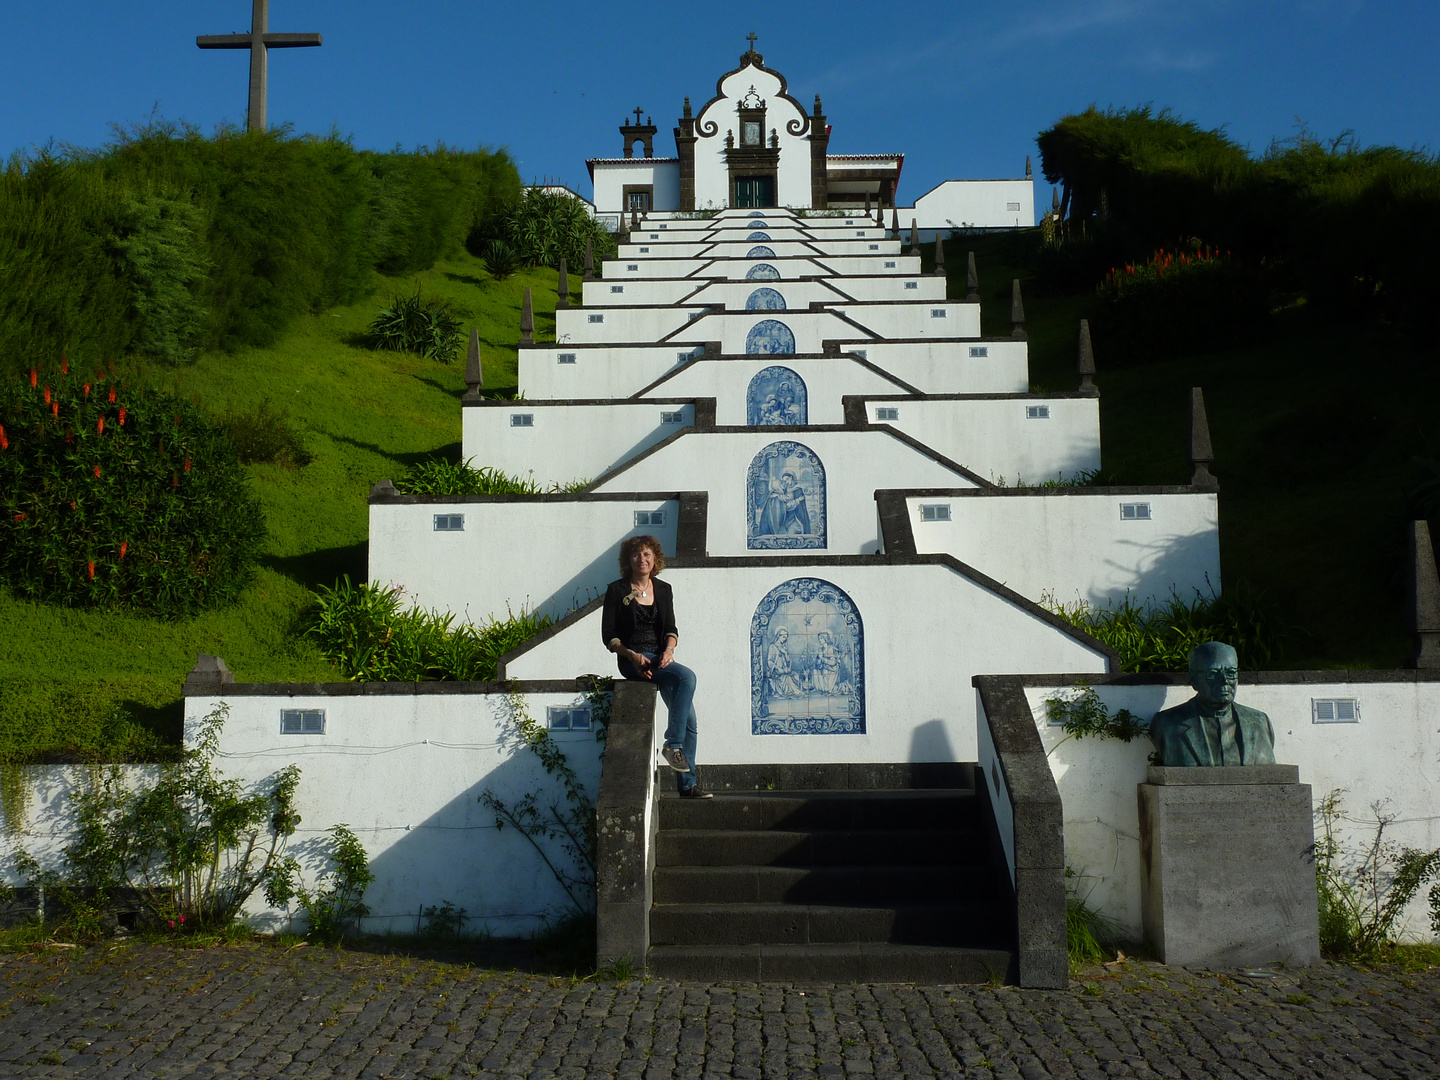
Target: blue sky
(960,88)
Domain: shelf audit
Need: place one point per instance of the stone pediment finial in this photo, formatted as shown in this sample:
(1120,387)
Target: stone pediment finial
(750,56)
(752,99)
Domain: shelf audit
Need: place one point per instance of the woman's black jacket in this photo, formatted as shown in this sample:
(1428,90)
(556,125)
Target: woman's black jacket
(618,619)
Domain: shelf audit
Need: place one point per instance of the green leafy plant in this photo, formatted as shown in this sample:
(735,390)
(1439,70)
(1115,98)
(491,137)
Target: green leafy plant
(365,630)
(571,824)
(437,476)
(193,847)
(544,226)
(265,435)
(1363,893)
(443,923)
(337,903)
(417,325)
(1160,638)
(1090,934)
(111,494)
(501,259)
(1084,715)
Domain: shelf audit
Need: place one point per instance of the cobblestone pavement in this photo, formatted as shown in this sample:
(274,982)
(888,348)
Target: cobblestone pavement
(260,1010)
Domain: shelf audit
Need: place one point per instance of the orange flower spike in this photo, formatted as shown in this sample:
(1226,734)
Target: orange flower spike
(4,442)
(97,472)
(100,425)
(47,393)
(122,415)
(123,545)
(187,464)
(20,517)
(112,395)
(87,389)
(34,376)
(55,409)
(64,364)
(90,566)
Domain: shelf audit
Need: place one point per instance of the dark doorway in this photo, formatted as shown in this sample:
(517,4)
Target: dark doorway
(754,192)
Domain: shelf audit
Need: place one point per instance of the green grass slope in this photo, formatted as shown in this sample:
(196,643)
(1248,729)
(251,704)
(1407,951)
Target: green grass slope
(82,685)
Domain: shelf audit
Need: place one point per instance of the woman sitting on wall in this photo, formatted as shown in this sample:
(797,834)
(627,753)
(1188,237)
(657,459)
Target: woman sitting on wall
(638,626)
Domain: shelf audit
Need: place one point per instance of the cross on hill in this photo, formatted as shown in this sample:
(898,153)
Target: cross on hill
(259,41)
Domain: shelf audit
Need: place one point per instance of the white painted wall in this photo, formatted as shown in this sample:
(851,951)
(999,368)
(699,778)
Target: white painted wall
(565,441)
(856,464)
(927,630)
(1078,547)
(712,178)
(612,177)
(917,320)
(620,325)
(950,367)
(532,555)
(982,204)
(599,371)
(994,437)
(790,267)
(405,772)
(730,328)
(827,380)
(1389,756)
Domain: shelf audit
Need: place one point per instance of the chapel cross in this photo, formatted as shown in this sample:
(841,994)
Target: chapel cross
(637,115)
(259,41)
(751,37)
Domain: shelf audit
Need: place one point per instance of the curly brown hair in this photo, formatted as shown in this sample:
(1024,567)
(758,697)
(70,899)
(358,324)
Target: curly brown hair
(630,546)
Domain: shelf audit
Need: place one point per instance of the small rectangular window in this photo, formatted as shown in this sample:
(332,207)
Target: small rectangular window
(1012,206)
(645,518)
(849,222)
(887,412)
(912,284)
(656,235)
(681,357)
(939,313)
(617,288)
(565,358)
(522,419)
(568,718)
(632,266)
(449,522)
(935,512)
(1135,511)
(597,318)
(859,232)
(644,251)
(672,418)
(302,721)
(1037,412)
(874,247)
(979,351)
(1335,710)
(664,226)
(889,266)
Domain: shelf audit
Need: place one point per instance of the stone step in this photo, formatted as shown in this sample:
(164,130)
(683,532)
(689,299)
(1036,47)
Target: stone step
(882,884)
(820,924)
(851,962)
(802,810)
(827,847)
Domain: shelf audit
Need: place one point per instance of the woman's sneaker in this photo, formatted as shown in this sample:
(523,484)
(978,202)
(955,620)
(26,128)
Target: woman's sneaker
(675,758)
(695,791)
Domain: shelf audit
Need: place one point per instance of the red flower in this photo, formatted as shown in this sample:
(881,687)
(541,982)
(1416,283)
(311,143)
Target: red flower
(20,517)
(100,425)
(47,393)
(33,377)
(187,464)
(55,409)
(97,472)
(69,435)
(123,545)
(72,505)
(64,364)
(122,415)
(90,566)
(87,389)
(4,442)
(112,395)
(174,480)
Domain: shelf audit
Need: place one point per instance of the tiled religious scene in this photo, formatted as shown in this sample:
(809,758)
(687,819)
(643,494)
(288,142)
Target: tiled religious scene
(807,662)
(776,396)
(770,337)
(787,498)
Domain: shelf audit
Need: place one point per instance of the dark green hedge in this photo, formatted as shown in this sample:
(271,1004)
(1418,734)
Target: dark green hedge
(1350,228)
(168,242)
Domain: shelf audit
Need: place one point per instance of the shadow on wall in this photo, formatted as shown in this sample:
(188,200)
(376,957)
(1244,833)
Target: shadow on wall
(930,742)
(1172,565)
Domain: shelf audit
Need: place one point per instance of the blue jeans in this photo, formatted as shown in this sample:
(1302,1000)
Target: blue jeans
(677,690)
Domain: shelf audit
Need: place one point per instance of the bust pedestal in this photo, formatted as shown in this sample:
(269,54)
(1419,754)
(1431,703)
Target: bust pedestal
(1228,870)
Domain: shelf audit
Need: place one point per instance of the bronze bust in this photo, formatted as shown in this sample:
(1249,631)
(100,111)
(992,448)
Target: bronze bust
(1210,729)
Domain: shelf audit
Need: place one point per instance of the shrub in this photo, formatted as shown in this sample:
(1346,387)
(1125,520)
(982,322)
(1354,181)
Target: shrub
(338,899)
(412,324)
(542,226)
(265,435)
(363,630)
(193,847)
(111,494)
(1177,303)
(1160,638)
(500,259)
(440,477)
